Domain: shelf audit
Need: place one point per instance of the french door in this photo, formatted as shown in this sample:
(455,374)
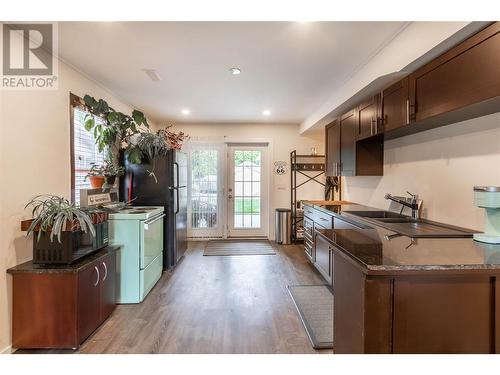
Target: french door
(205,192)
(247,191)
(227,190)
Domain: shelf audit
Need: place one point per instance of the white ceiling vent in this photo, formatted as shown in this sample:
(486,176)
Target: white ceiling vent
(152,74)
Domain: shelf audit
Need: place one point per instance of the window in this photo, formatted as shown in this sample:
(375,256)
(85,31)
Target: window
(83,148)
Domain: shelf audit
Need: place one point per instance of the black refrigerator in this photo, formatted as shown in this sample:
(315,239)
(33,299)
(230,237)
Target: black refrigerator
(161,182)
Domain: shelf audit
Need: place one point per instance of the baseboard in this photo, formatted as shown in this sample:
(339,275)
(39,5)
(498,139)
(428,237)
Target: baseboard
(7,350)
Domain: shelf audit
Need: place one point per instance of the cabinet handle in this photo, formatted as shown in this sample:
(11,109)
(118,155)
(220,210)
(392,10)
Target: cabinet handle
(407,111)
(372,132)
(98,276)
(105,271)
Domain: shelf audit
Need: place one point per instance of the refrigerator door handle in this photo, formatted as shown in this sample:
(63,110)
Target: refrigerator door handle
(176,174)
(177,194)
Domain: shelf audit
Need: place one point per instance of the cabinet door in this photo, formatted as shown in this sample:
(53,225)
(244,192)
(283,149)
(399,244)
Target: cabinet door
(88,301)
(348,144)
(323,257)
(107,270)
(395,106)
(308,237)
(465,75)
(367,118)
(332,138)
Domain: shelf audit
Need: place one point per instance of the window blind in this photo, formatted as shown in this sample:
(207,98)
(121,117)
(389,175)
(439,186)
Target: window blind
(85,151)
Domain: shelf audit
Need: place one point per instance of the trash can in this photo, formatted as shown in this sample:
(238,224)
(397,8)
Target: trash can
(283,226)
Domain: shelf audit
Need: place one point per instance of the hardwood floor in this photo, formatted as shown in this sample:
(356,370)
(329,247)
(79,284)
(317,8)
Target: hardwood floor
(228,304)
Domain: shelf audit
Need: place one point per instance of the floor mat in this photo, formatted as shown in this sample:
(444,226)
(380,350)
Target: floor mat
(314,304)
(240,247)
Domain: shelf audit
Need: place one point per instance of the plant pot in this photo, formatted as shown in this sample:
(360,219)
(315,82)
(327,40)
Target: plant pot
(96,181)
(110,180)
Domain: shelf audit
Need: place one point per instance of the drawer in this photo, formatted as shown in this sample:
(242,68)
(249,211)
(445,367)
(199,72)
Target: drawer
(323,219)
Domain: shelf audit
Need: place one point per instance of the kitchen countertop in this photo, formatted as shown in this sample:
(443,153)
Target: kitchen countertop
(30,267)
(369,249)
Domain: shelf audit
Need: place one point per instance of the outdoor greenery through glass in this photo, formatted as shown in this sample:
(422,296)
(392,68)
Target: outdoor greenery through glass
(204,164)
(247,197)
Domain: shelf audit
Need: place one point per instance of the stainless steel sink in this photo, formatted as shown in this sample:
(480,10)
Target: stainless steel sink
(408,226)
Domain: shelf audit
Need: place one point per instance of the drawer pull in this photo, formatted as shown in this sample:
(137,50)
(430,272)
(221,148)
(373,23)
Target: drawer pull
(105,271)
(98,276)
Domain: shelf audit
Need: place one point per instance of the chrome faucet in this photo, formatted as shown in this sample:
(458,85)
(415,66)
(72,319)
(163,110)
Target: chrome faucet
(413,204)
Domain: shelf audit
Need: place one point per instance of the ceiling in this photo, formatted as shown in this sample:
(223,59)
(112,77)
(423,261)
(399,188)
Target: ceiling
(287,68)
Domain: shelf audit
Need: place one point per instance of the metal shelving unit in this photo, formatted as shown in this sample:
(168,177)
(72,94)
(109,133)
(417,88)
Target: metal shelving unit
(311,167)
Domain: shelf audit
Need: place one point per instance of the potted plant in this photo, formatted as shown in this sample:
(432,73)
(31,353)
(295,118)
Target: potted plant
(75,229)
(96,175)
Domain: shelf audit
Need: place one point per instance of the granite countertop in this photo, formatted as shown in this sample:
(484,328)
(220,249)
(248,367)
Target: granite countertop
(370,249)
(30,267)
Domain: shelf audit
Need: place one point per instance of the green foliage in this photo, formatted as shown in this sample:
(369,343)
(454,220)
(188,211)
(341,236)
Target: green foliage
(247,206)
(246,158)
(204,163)
(108,169)
(52,213)
(117,126)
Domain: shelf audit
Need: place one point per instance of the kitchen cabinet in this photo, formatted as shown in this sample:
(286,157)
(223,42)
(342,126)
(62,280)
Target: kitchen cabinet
(367,118)
(308,238)
(332,137)
(324,258)
(464,79)
(348,144)
(316,248)
(60,306)
(394,106)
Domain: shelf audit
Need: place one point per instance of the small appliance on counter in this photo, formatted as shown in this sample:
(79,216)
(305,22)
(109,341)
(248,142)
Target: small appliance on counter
(488,197)
(138,230)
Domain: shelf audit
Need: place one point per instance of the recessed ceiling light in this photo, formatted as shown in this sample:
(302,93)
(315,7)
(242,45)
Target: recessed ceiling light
(186,111)
(235,71)
(266,112)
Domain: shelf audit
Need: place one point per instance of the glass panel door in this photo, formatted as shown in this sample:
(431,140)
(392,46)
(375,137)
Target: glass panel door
(205,191)
(247,215)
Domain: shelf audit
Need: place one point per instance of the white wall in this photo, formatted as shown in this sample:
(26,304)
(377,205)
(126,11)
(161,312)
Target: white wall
(34,159)
(417,39)
(283,139)
(442,166)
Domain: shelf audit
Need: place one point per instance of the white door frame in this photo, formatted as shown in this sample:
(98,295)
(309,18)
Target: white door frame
(263,231)
(223,142)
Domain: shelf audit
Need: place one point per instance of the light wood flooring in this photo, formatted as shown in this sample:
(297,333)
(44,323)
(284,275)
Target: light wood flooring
(214,304)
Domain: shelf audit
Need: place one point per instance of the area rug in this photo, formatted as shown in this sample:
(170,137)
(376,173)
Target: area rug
(314,304)
(239,247)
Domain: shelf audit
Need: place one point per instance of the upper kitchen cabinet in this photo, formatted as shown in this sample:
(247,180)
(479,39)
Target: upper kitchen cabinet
(394,106)
(367,118)
(348,156)
(461,84)
(332,138)
(348,144)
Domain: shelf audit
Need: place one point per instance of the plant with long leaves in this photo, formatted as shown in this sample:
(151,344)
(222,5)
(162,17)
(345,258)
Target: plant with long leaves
(52,213)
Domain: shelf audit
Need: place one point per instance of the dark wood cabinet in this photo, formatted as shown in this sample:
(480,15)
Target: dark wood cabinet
(308,237)
(348,144)
(367,118)
(459,80)
(332,149)
(60,307)
(323,258)
(394,106)
(108,287)
(89,295)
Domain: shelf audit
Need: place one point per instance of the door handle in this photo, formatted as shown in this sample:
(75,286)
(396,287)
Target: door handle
(230,196)
(98,276)
(407,111)
(105,271)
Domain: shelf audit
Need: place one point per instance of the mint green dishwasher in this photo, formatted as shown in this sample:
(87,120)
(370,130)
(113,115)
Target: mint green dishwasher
(139,232)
